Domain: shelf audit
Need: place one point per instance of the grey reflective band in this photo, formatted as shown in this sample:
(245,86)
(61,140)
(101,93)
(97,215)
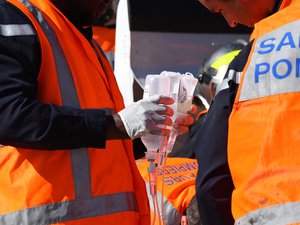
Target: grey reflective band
(68,91)
(274,66)
(96,44)
(232,76)
(171,215)
(282,214)
(71,210)
(110,59)
(110,56)
(16,30)
(81,173)
(80,161)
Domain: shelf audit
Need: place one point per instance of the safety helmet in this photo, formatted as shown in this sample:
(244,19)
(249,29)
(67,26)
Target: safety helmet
(213,69)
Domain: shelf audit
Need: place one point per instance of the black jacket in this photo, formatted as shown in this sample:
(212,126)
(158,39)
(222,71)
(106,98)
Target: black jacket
(214,184)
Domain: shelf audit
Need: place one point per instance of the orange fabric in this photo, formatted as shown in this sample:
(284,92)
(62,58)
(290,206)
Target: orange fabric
(179,185)
(263,145)
(105,37)
(25,172)
(113,219)
(202,113)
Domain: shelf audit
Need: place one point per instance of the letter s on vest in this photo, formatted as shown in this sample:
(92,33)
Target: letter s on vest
(270,73)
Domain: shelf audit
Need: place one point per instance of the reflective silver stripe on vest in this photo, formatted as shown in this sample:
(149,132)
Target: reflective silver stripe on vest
(275,64)
(16,30)
(232,76)
(171,215)
(85,205)
(96,44)
(71,210)
(287,213)
(110,56)
(80,161)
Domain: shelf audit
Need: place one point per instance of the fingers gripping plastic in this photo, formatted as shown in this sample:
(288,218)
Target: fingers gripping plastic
(142,117)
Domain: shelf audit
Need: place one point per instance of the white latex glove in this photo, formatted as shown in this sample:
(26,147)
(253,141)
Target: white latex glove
(142,117)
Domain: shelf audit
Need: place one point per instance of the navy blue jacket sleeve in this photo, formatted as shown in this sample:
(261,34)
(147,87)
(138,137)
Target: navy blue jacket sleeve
(214,184)
(24,120)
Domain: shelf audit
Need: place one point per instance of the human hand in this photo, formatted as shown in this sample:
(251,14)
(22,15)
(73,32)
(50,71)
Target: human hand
(184,120)
(184,220)
(143,117)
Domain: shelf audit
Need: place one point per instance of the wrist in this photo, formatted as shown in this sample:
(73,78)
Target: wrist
(119,123)
(115,128)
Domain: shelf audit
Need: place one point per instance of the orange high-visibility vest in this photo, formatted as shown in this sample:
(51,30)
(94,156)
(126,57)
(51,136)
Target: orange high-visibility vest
(178,189)
(85,186)
(106,39)
(264,126)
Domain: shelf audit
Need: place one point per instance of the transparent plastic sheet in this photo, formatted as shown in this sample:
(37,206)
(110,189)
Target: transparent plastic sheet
(155,84)
(181,88)
(186,87)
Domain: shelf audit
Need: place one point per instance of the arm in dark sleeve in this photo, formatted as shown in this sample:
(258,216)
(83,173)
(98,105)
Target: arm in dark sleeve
(214,184)
(24,120)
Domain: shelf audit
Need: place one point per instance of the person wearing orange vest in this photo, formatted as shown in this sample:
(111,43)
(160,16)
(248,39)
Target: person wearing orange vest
(66,155)
(177,191)
(105,36)
(248,155)
(210,76)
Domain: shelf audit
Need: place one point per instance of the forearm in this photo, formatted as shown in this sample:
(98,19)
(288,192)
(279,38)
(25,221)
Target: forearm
(39,126)
(115,128)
